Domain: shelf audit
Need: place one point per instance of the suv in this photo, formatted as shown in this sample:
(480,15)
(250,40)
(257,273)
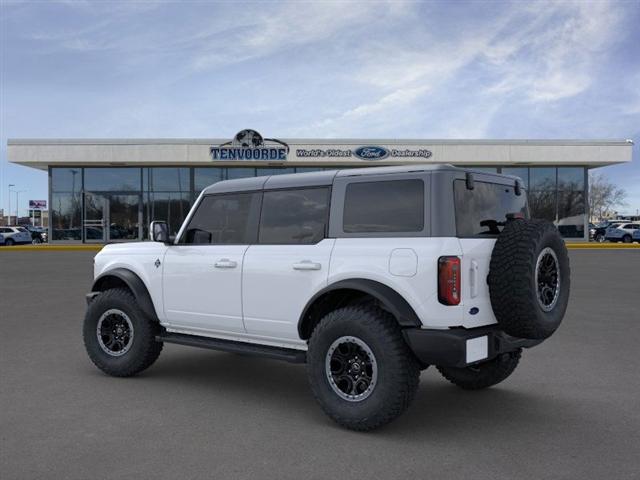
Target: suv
(15,235)
(366,275)
(622,232)
(38,234)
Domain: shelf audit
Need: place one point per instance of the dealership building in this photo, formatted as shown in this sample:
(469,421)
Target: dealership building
(109,190)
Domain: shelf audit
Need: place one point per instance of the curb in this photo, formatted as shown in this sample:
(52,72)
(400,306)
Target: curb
(602,246)
(49,248)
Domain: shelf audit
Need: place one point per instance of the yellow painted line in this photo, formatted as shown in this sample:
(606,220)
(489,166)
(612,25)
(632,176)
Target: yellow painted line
(50,248)
(602,246)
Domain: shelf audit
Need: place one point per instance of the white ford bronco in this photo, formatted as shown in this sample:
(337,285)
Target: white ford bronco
(366,275)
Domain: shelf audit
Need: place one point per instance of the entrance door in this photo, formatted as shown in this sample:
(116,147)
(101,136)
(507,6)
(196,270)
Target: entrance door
(95,215)
(112,217)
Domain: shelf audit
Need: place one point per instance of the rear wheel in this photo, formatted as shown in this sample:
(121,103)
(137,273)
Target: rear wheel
(483,375)
(360,369)
(118,336)
(626,239)
(9,242)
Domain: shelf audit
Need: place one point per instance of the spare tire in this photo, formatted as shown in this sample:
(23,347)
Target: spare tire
(529,278)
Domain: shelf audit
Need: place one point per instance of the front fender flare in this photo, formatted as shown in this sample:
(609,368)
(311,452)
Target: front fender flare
(135,284)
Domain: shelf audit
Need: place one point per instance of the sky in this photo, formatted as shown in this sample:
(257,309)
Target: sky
(202,69)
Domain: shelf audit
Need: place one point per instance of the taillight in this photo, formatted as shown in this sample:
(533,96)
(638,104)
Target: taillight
(449,280)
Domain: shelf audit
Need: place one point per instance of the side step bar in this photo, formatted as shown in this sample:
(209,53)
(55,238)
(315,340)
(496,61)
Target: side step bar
(276,353)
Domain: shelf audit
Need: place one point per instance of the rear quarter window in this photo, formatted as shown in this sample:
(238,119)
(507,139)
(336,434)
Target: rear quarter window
(482,212)
(384,206)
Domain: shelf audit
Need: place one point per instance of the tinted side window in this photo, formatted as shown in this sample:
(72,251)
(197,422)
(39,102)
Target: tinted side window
(224,219)
(384,206)
(294,216)
(483,210)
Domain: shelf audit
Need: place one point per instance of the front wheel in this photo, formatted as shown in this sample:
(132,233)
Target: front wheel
(483,375)
(360,369)
(36,241)
(626,239)
(9,242)
(119,338)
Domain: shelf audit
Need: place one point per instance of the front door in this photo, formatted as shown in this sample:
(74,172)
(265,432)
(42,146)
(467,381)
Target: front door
(112,217)
(203,272)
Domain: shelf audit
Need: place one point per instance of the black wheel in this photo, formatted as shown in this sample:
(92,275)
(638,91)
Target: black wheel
(119,338)
(626,239)
(36,241)
(529,279)
(483,375)
(9,242)
(360,369)
(599,238)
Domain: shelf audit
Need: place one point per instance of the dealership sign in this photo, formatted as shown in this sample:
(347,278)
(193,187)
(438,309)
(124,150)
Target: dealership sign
(366,152)
(250,145)
(38,204)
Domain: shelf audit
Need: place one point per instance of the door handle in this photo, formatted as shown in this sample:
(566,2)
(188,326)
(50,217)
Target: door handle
(307,265)
(225,263)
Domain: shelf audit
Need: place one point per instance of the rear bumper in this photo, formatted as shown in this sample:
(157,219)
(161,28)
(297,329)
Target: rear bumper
(460,347)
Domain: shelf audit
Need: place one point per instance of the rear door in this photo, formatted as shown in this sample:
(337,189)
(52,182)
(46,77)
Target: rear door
(481,214)
(203,273)
(289,263)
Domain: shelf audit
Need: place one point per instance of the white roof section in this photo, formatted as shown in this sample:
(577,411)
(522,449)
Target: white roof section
(42,153)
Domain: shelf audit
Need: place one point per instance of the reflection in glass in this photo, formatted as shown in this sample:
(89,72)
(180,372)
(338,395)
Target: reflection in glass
(95,206)
(123,217)
(66,179)
(241,172)
(571,214)
(167,179)
(522,172)
(571,178)
(65,216)
(203,177)
(543,204)
(542,178)
(273,171)
(111,179)
(172,207)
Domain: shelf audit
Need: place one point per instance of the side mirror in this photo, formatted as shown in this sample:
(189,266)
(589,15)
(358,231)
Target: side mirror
(159,231)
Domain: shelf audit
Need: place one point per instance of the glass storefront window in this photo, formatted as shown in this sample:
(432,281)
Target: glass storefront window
(66,216)
(112,179)
(273,171)
(167,179)
(172,207)
(542,178)
(66,179)
(570,178)
(542,204)
(203,177)
(240,172)
(571,214)
(522,172)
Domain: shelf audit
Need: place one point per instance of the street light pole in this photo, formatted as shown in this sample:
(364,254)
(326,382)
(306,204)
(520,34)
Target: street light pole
(9,211)
(18,192)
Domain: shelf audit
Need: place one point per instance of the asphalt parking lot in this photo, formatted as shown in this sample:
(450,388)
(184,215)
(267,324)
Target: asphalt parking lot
(571,410)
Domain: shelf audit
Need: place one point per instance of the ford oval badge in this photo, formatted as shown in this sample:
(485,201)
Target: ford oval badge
(371,153)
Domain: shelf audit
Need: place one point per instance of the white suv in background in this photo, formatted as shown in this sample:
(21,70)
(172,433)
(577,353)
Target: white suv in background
(15,235)
(622,233)
(366,275)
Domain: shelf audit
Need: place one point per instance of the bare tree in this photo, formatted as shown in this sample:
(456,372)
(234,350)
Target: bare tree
(604,196)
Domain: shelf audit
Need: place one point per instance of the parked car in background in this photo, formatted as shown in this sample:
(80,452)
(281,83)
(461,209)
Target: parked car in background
(15,235)
(622,232)
(600,231)
(38,234)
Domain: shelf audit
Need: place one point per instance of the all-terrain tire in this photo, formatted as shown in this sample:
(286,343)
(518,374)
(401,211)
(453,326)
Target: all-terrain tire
(143,350)
(398,371)
(524,307)
(483,375)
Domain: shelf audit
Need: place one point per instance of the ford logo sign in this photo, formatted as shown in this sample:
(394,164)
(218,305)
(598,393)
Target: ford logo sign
(371,153)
